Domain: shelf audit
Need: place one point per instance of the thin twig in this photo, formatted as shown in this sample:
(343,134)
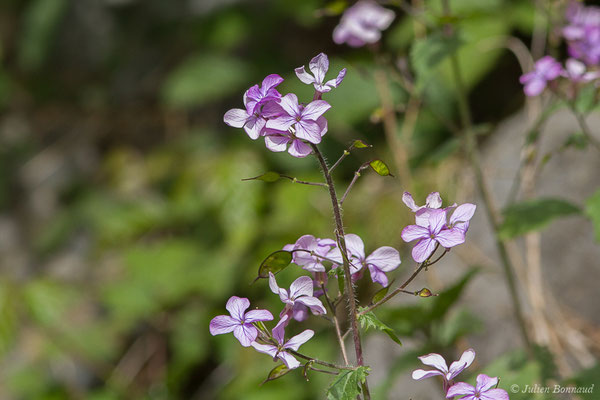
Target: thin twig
(336,323)
(320,362)
(354,179)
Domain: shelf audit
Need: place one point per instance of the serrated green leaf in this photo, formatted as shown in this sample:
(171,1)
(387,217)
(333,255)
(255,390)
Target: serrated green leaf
(346,385)
(275,262)
(359,144)
(276,372)
(266,177)
(592,210)
(370,320)
(380,167)
(533,215)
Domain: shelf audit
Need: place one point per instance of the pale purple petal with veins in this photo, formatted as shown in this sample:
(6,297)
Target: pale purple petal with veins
(236,117)
(485,382)
(273,284)
(222,324)
(378,275)
(299,149)
(315,109)
(419,374)
(246,334)
(463,213)
(302,286)
(434,200)
(460,389)
(414,232)
(410,202)
(355,245)
(236,307)
(494,394)
(279,330)
(435,360)
(295,342)
(309,131)
(450,237)
(385,258)
(319,66)
(277,143)
(288,360)
(265,348)
(289,103)
(466,359)
(313,303)
(437,221)
(423,250)
(258,315)
(304,76)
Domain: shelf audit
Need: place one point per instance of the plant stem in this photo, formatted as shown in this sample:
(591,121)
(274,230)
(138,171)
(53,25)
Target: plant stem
(317,361)
(338,332)
(584,126)
(354,179)
(350,295)
(473,156)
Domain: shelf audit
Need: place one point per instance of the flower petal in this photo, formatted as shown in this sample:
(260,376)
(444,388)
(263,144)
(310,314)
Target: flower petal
(236,117)
(299,312)
(419,374)
(308,130)
(423,250)
(460,389)
(319,66)
(289,103)
(315,109)
(222,324)
(450,237)
(485,382)
(281,123)
(273,283)
(295,342)
(436,361)
(463,213)
(414,232)
(236,307)
(288,360)
(386,258)
(299,149)
(535,86)
(258,315)
(246,334)
(434,200)
(437,220)
(304,76)
(279,330)
(313,303)
(270,81)
(277,143)
(494,394)
(409,201)
(355,245)
(265,348)
(466,359)
(301,287)
(378,275)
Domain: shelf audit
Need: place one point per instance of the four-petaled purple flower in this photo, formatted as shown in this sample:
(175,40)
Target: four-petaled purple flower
(362,23)
(279,351)
(319,66)
(435,232)
(239,323)
(482,390)
(303,119)
(311,259)
(259,106)
(441,368)
(382,260)
(298,299)
(545,69)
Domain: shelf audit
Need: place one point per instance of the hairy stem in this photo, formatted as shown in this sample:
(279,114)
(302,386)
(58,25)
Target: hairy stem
(349,288)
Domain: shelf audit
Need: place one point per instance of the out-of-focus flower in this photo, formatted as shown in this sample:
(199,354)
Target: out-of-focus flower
(382,260)
(240,323)
(299,298)
(482,390)
(315,249)
(546,69)
(319,66)
(258,103)
(279,351)
(435,232)
(362,23)
(576,72)
(303,119)
(583,32)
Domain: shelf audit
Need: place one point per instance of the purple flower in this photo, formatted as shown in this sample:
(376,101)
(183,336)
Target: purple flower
(583,32)
(304,119)
(279,351)
(298,299)
(312,259)
(319,66)
(362,23)
(382,260)
(435,232)
(482,391)
(259,106)
(576,72)
(545,70)
(239,323)
(441,368)
(277,140)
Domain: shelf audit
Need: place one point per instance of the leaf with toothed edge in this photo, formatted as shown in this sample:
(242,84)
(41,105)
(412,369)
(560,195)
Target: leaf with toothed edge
(347,385)
(370,320)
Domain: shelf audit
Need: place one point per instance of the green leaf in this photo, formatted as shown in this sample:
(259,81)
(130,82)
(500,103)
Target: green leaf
(448,297)
(426,54)
(370,320)
(380,167)
(359,144)
(380,294)
(274,263)
(533,215)
(346,385)
(202,79)
(586,99)
(266,177)
(592,210)
(276,372)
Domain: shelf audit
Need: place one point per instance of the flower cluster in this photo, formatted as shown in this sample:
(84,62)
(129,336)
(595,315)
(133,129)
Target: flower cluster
(583,38)
(485,389)
(284,122)
(432,228)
